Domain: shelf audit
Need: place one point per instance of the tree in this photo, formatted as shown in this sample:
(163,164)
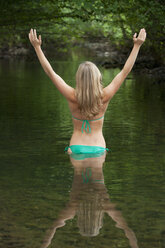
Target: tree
(115,19)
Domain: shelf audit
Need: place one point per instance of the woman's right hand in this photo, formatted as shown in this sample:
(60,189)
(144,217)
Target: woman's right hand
(36,42)
(141,37)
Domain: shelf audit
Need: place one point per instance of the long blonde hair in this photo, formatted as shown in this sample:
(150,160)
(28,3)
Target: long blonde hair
(89,89)
(90,215)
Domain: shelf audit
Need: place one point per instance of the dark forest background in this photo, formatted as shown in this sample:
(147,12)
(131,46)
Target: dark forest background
(63,24)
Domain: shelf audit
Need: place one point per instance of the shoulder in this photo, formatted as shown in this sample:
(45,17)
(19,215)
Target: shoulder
(72,100)
(72,97)
(105,98)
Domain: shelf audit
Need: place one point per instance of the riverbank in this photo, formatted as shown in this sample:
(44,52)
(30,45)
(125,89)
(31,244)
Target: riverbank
(108,56)
(113,57)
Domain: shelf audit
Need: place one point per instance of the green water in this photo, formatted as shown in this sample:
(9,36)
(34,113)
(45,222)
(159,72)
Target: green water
(38,181)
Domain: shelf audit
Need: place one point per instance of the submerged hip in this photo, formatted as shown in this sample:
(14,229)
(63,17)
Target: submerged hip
(80,152)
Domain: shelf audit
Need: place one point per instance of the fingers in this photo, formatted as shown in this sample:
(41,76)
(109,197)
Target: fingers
(140,38)
(33,34)
(40,38)
(33,38)
(142,33)
(30,37)
(135,35)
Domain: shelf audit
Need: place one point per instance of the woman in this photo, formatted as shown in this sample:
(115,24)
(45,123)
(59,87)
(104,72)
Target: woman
(89,101)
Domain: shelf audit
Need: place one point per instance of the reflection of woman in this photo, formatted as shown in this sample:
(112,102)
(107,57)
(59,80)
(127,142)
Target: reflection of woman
(89,101)
(89,200)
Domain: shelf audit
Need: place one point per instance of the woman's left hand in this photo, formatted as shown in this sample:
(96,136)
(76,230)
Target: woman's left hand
(36,42)
(139,40)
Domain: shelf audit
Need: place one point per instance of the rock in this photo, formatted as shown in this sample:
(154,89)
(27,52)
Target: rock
(6,53)
(17,51)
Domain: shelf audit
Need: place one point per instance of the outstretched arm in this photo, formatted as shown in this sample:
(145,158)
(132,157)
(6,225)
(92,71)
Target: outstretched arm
(113,87)
(66,214)
(66,90)
(121,223)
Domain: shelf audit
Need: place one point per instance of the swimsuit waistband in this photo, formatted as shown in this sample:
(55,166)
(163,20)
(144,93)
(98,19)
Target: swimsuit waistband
(80,152)
(86,149)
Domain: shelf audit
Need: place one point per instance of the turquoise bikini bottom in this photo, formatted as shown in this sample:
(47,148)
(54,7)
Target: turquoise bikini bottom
(80,152)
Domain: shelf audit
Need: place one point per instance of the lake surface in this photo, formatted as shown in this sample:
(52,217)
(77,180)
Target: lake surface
(48,199)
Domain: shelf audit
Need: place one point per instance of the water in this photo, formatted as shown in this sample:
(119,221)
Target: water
(39,185)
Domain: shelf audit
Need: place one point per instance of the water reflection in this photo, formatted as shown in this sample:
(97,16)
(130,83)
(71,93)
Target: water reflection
(89,201)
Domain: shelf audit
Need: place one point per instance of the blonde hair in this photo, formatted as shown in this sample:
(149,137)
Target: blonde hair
(90,216)
(89,89)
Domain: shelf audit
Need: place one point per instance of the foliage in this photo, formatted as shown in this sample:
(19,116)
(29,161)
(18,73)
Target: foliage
(65,21)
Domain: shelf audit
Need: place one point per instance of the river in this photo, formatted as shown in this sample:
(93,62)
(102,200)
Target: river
(38,180)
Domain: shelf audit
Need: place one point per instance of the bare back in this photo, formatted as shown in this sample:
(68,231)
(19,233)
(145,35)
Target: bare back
(93,138)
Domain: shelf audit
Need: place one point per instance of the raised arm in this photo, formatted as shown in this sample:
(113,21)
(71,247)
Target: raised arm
(66,214)
(66,90)
(113,87)
(121,223)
